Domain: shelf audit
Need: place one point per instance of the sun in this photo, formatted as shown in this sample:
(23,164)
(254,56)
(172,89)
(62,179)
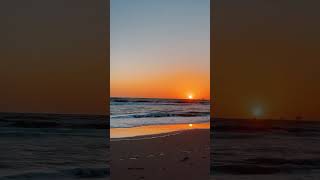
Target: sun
(257,112)
(190,96)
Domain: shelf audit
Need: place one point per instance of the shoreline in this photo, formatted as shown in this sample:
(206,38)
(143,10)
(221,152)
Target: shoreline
(153,131)
(146,137)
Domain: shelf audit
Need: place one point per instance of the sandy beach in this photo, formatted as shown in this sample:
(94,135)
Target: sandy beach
(183,155)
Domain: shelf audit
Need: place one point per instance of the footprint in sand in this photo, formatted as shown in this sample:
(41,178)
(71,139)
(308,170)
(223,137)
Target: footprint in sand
(150,156)
(133,158)
(187,152)
(185,159)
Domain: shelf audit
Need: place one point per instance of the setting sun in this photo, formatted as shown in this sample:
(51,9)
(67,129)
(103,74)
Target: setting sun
(190,96)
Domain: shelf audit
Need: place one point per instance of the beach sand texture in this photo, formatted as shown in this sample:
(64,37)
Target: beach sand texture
(181,156)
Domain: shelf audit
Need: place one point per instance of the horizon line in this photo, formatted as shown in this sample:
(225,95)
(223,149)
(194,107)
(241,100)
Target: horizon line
(159,98)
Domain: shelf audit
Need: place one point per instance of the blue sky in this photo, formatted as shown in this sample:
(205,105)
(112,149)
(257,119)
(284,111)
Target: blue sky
(154,38)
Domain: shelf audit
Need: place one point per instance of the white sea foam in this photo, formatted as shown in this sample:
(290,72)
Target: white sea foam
(133,112)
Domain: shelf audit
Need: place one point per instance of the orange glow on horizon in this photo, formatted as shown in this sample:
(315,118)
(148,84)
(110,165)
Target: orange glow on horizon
(165,85)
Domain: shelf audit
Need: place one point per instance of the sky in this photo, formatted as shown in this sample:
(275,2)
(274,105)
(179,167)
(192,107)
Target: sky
(265,60)
(53,56)
(160,48)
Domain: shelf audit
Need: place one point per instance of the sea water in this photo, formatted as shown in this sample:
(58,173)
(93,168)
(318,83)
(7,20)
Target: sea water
(265,149)
(50,146)
(135,112)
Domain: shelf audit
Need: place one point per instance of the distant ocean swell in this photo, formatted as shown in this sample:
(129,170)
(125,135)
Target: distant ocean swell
(135,112)
(22,120)
(157,101)
(163,114)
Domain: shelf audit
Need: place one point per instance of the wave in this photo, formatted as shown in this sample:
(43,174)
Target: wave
(137,122)
(24,120)
(161,114)
(159,118)
(114,101)
(250,147)
(76,173)
(260,126)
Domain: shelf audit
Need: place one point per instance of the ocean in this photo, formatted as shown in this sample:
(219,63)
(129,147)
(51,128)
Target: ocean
(265,149)
(135,112)
(52,146)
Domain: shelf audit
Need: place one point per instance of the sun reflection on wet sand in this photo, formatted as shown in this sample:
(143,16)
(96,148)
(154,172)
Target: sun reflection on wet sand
(154,129)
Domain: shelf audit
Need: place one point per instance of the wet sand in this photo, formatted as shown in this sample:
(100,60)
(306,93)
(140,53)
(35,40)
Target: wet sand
(185,155)
(153,130)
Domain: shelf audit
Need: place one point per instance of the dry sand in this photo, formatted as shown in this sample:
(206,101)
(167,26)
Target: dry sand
(185,156)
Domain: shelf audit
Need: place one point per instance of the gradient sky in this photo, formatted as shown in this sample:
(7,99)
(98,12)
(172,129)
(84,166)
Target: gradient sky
(160,48)
(53,56)
(266,58)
